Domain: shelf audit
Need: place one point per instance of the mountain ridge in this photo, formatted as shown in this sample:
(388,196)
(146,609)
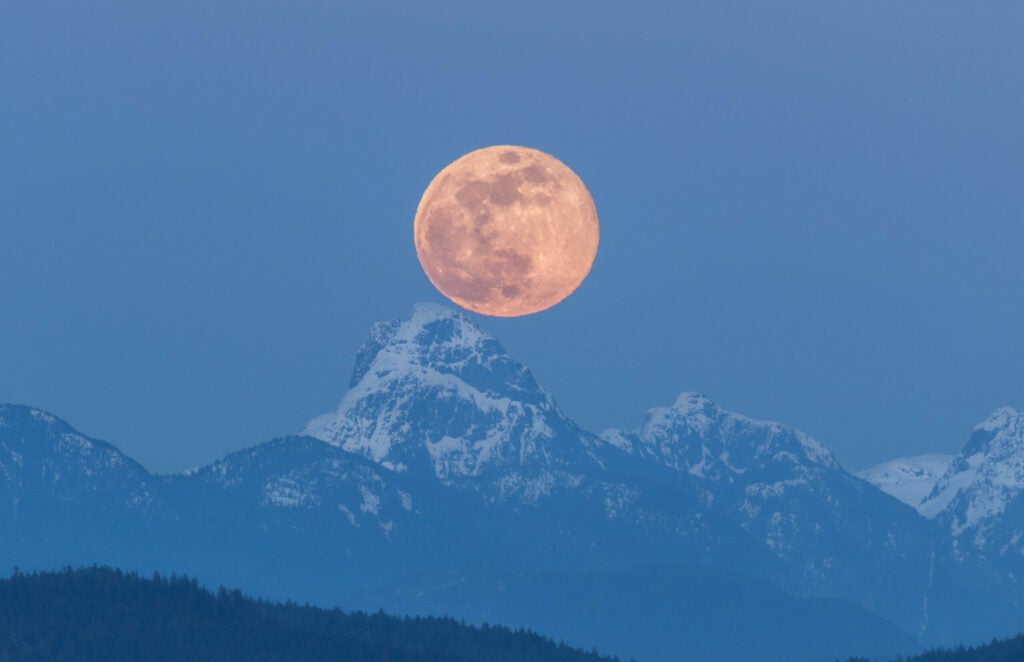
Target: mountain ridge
(445,451)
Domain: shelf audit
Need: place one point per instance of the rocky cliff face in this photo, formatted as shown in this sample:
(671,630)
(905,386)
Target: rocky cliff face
(434,393)
(977,499)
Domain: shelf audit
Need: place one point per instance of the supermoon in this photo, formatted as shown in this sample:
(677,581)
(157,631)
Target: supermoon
(506,231)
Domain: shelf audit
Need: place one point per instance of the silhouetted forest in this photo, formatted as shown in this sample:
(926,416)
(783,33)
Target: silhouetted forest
(1008,650)
(106,614)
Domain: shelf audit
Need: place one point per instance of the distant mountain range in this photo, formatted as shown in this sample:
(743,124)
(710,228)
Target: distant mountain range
(448,481)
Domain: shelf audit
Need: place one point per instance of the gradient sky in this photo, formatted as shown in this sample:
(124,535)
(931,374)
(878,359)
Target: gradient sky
(812,212)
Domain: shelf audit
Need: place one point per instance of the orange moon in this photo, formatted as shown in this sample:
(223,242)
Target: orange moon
(506,231)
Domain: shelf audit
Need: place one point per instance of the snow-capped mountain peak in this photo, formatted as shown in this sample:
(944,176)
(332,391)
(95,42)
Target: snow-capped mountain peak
(983,479)
(909,479)
(438,340)
(1000,419)
(697,436)
(434,388)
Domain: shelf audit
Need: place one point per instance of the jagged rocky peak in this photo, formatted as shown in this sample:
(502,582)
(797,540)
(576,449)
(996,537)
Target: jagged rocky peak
(986,475)
(696,435)
(1000,435)
(691,413)
(434,388)
(438,339)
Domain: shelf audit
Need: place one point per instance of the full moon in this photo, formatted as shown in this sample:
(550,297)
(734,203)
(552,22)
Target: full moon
(506,231)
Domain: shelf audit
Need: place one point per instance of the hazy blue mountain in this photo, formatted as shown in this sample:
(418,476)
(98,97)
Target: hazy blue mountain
(445,455)
(695,613)
(66,498)
(41,455)
(831,533)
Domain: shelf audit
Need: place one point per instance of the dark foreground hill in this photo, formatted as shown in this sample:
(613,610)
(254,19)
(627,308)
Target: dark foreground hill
(1007,650)
(105,614)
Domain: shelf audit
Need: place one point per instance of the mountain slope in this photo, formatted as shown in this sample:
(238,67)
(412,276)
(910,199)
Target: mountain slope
(909,479)
(654,613)
(40,453)
(435,393)
(64,497)
(978,511)
(833,534)
(978,499)
(446,454)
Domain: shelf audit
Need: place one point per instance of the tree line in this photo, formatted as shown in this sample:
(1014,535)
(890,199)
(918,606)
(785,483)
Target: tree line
(105,614)
(1006,650)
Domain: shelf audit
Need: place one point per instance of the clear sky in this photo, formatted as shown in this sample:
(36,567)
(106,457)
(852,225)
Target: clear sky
(811,211)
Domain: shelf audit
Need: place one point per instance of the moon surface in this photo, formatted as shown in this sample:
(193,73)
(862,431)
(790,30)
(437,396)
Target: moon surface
(506,231)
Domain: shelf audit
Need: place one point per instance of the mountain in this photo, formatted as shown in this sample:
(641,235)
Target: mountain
(977,508)
(446,455)
(41,454)
(65,496)
(434,396)
(299,518)
(978,498)
(653,613)
(909,479)
(102,614)
(434,393)
(830,533)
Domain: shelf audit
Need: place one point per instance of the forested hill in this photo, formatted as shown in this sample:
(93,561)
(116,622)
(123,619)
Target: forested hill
(106,614)
(1008,650)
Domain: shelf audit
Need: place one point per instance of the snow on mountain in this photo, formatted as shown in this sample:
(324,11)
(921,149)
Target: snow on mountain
(44,458)
(829,532)
(696,436)
(435,394)
(982,485)
(435,390)
(909,479)
(305,474)
(435,403)
(780,485)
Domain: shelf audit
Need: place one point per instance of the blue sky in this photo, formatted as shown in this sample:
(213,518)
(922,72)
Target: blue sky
(812,212)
